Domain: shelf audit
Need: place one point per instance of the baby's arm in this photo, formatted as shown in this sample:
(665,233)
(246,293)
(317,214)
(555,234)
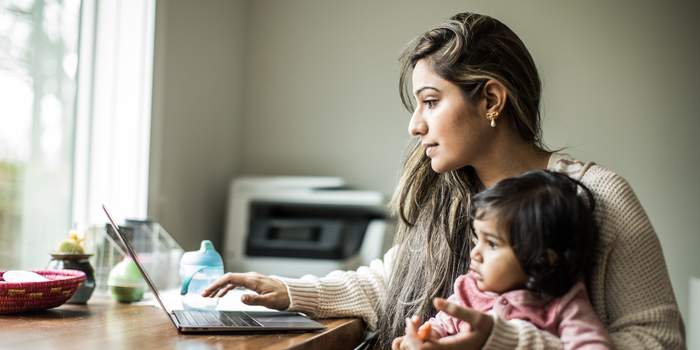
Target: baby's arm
(579,326)
(444,324)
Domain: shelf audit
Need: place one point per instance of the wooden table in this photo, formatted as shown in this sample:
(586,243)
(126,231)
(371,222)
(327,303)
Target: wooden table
(104,324)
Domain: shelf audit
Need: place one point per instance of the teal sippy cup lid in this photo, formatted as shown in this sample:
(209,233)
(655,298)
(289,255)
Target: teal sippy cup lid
(205,257)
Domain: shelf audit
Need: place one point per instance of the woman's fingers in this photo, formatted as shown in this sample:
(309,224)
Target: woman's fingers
(468,315)
(249,280)
(396,343)
(225,290)
(480,324)
(412,325)
(230,279)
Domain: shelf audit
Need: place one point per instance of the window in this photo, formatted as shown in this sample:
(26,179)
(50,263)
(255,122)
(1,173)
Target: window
(75,89)
(38,44)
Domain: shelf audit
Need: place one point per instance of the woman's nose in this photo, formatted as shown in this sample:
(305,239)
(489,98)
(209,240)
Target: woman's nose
(417,125)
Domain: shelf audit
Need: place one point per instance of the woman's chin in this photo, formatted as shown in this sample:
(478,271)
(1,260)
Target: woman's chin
(439,168)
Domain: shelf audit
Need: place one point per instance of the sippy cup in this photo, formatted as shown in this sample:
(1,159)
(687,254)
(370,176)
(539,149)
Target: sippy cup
(197,270)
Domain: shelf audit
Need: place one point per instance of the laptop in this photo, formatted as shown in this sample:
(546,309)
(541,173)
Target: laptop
(191,321)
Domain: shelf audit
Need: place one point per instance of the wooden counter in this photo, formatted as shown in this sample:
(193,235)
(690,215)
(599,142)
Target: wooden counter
(104,324)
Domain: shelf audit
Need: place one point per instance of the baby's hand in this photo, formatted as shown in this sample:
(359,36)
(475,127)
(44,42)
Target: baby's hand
(416,335)
(425,332)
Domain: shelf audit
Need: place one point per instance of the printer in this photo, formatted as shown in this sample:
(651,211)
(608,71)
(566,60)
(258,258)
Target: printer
(293,225)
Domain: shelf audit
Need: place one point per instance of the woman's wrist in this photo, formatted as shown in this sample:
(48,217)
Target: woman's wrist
(303,295)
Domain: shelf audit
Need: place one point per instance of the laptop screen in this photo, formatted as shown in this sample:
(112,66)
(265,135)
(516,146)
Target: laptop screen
(132,253)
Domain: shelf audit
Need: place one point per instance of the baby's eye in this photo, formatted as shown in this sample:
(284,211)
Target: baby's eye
(492,245)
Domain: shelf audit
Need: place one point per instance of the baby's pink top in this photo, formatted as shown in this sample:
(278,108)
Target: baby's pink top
(570,317)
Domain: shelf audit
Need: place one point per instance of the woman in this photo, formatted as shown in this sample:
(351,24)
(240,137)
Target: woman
(477,117)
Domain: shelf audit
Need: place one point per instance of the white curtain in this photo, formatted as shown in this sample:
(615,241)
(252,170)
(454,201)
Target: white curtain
(114,110)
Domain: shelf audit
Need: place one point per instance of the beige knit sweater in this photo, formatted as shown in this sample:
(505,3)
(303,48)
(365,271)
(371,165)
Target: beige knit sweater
(630,288)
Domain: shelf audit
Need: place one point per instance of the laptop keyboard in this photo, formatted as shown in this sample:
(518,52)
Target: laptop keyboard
(239,319)
(217,318)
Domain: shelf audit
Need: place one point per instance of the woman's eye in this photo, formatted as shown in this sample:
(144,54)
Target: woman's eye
(430,103)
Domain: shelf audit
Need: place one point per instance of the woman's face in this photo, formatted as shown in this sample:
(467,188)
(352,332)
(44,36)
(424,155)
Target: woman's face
(453,131)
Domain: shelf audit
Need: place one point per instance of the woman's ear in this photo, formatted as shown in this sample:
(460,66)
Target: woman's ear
(495,94)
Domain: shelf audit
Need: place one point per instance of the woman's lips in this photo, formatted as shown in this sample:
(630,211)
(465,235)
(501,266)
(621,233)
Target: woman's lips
(429,148)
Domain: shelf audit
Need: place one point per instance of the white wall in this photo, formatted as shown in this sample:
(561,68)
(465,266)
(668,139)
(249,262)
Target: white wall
(197,122)
(316,94)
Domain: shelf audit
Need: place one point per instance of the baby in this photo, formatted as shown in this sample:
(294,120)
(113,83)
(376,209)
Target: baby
(534,242)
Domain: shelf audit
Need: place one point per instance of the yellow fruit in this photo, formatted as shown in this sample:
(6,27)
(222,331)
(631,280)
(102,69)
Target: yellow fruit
(71,245)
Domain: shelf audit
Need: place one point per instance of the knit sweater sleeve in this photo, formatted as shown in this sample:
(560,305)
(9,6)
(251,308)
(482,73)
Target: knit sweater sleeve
(341,293)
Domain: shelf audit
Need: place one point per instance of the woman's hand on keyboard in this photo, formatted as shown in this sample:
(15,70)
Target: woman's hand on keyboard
(272,293)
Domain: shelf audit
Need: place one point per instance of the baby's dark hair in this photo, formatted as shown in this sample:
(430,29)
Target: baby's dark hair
(542,212)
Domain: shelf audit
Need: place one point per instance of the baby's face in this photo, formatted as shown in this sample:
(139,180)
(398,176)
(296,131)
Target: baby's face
(493,262)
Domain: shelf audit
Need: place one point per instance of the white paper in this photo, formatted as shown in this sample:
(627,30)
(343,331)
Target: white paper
(230,302)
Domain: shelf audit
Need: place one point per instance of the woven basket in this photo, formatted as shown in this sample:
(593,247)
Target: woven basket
(32,296)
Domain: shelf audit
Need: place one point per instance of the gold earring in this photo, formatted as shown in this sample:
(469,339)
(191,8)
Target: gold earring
(492,117)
